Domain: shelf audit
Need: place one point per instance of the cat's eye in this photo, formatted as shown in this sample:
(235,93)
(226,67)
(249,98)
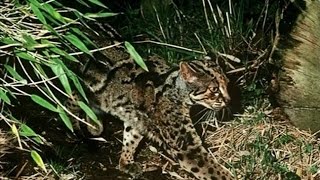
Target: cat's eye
(213,89)
(199,91)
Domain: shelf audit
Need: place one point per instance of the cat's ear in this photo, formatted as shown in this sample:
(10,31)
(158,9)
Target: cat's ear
(187,73)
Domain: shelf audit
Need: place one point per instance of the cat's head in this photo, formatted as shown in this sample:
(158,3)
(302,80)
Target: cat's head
(208,85)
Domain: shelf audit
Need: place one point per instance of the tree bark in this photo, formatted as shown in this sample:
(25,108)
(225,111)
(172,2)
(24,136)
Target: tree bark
(299,94)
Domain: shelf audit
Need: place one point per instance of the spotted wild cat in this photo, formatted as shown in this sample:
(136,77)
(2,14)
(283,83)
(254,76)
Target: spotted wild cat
(156,105)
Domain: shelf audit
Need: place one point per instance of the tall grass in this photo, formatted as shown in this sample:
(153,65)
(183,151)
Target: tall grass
(37,39)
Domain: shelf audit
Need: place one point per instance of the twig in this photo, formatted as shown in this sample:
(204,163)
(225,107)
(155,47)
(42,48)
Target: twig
(170,45)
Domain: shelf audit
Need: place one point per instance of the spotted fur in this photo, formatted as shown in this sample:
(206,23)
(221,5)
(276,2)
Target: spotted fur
(156,105)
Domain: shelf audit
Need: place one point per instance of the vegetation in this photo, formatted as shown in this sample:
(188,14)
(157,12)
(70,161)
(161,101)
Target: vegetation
(37,41)
(40,39)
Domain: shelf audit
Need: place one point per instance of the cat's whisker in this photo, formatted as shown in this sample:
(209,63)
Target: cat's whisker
(210,114)
(202,117)
(201,111)
(213,118)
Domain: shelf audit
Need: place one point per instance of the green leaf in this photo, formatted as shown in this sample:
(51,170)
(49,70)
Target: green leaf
(58,4)
(14,74)
(83,3)
(38,13)
(11,93)
(37,46)
(38,160)
(77,84)
(28,39)
(4,97)
(81,16)
(135,55)
(80,33)
(53,13)
(58,71)
(63,53)
(100,15)
(51,19)
(97,2)
(88,111)
(65,118)
(44,103)
(44,44)
(28,132)
(14,130)
(16,133)
(35,3)
(8,40)
(73,39)
(41,70)
(26,56)
(53,31)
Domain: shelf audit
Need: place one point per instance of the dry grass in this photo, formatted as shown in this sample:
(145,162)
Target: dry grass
(256,147)
(5,145)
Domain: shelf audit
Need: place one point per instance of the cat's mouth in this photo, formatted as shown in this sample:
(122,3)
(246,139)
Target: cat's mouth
(218,107)
(214,106)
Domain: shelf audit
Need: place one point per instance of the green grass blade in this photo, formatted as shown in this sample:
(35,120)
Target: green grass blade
(4,97)
(38,13)
(35,3)
(14,74)
(77,84)
(45,44)
(40,70)
(135,55)
(73,39)
(100,15)
(29,43)
(80,33)
(28,132)
(64,117)
(16,133)
(57,4)
(83,3)
(26,56)
(51,19)
(15,130)
(52,30)
(63,53)
(9,40)
(38,160)
(58,70)
(97,2)
(44,103)
(53,13)
(28,39)
(88,111)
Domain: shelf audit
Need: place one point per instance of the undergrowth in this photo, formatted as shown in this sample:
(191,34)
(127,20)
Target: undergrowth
(39,38)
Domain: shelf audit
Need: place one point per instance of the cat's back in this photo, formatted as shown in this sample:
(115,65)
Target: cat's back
(125,83)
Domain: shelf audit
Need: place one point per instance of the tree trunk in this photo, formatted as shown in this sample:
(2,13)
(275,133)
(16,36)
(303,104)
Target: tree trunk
(299,94)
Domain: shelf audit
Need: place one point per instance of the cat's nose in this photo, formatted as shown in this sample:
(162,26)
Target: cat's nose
(226,99)
(225,102)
